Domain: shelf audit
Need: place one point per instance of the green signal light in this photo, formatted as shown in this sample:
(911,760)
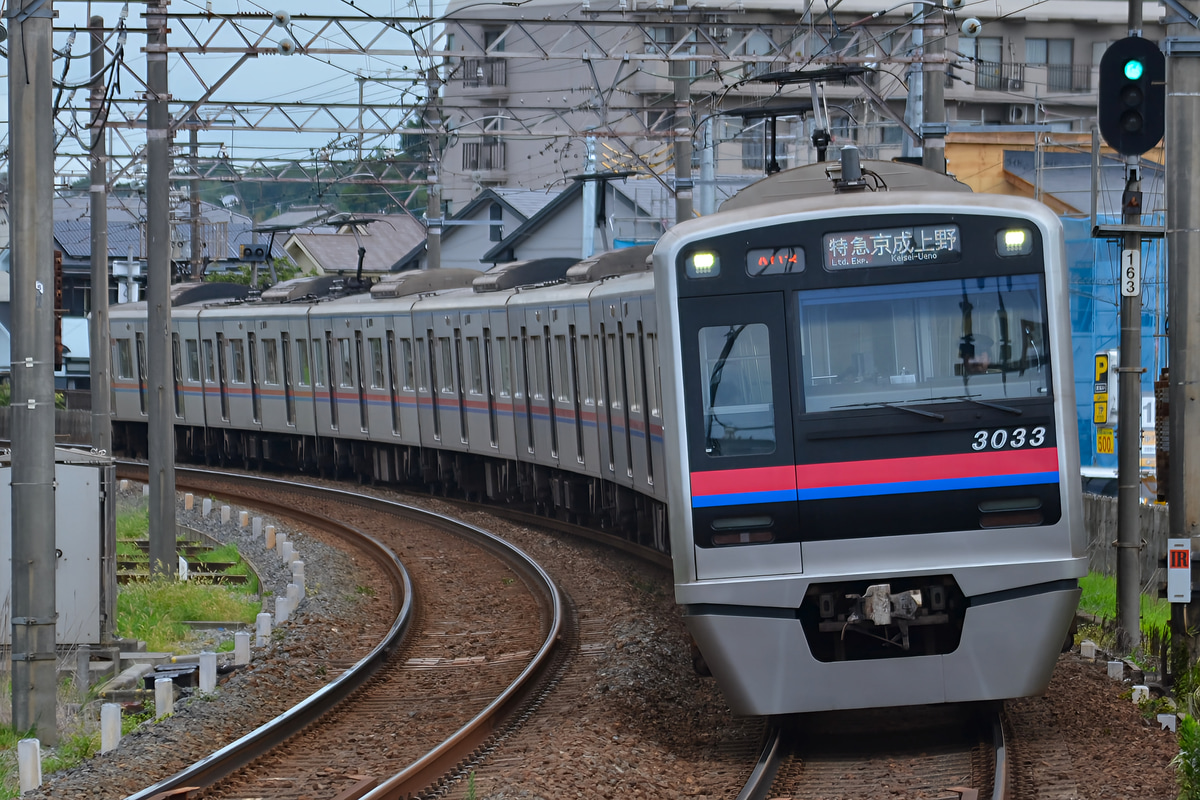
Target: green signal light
(1133,69)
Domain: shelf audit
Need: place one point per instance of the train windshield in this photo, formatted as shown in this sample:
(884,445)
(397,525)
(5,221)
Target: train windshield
(978,339)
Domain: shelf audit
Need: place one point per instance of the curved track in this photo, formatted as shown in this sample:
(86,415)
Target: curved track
(384,688)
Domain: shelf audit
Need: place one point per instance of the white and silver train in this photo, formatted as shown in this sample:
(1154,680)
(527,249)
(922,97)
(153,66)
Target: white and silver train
(849,418)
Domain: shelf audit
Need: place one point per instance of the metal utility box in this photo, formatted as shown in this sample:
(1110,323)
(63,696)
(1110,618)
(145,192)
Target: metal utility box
(85,536)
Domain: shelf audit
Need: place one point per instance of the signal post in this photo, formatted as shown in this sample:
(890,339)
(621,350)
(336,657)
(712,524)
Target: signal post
(1132,102)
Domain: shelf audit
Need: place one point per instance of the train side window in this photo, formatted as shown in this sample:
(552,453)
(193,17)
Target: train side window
(193,360)
(238,360)
(633,364)
(739,414)
(347,362)
(124,359)
(318,363)
(422,367)
(475,365)
(563,381)
(305,373)
(210,362)
(653,390)
(270,361)
(587,379)
(177,373)
(505,388)
(376,347)
(539,366)
(613,356)
(447,365)
(406,361)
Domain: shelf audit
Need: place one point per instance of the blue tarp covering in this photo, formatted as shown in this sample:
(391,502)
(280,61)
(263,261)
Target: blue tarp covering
(1096,320)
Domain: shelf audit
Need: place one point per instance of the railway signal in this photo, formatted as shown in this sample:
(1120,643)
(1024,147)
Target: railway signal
(1132,96)
(254,252)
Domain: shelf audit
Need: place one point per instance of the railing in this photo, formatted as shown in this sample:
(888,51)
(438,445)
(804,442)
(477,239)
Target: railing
(1069,77)
(480,72)
(484,155)
(999,77)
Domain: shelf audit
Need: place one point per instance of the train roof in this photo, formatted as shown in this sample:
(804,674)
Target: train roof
(816,180)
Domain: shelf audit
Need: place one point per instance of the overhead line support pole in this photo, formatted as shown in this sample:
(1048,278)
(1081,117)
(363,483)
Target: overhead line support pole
(31,204)
(98,356)
(160,379)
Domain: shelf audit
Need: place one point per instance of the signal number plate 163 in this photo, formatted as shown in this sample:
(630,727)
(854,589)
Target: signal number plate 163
(1004,438)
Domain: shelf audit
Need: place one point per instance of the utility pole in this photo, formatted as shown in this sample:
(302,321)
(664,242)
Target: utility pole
(1183,250)
(933,130)
(99,358)
(161,427)
(681,77)
(31,177)
(196,259)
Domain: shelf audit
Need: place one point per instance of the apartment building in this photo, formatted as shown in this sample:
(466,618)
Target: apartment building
(533,94)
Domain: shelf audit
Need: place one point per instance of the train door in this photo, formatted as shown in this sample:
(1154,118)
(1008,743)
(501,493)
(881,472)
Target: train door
(615,438)
(583,359)
(653,415)
(407,423)
(564,387)
(633,342)
(377,407)
(177,373)
(498,362)
(140,344)
(738,418)
(289,396)
(255,388)
(429,417)
(223,377)
(479,408)
(540,405)
(360,382)
(446,354)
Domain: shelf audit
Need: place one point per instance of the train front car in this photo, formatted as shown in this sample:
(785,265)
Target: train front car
(875,482)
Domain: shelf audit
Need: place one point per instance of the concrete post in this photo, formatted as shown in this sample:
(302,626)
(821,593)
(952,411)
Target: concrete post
(99,358)
(31,182)
(160,378)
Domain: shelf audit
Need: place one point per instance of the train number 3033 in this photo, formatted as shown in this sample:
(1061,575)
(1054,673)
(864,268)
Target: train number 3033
(1004,438)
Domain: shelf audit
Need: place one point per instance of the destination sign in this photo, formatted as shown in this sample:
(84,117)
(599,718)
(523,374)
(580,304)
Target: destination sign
(881,247)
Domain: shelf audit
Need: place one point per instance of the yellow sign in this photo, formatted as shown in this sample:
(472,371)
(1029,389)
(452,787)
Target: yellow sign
(1100,409)
(1105,441)
(1101,372)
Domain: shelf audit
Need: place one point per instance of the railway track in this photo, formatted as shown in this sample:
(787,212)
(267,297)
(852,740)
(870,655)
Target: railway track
(932,753)
(460,675)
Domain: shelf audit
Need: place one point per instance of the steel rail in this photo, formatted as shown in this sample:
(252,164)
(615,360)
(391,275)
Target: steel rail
(238,754)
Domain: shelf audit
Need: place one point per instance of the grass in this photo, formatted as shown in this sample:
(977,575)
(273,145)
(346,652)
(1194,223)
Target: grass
(150,610)
(1100,600)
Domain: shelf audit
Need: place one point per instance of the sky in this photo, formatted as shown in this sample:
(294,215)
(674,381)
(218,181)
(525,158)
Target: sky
(308,76)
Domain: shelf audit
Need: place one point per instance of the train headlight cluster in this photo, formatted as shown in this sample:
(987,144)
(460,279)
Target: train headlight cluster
(703,265)
(1014,242)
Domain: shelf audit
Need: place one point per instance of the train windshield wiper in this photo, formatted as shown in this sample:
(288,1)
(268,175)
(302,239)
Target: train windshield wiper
(1008,409)
(900,406)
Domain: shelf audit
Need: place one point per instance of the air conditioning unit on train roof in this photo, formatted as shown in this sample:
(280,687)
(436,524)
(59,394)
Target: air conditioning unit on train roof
(523,273)
(404,284)
(615,262)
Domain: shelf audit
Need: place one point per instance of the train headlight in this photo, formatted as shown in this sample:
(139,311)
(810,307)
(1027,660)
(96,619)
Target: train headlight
(1014,242)
(703,265)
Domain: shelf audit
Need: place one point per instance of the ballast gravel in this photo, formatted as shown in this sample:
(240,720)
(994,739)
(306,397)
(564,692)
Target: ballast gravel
(653,728)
